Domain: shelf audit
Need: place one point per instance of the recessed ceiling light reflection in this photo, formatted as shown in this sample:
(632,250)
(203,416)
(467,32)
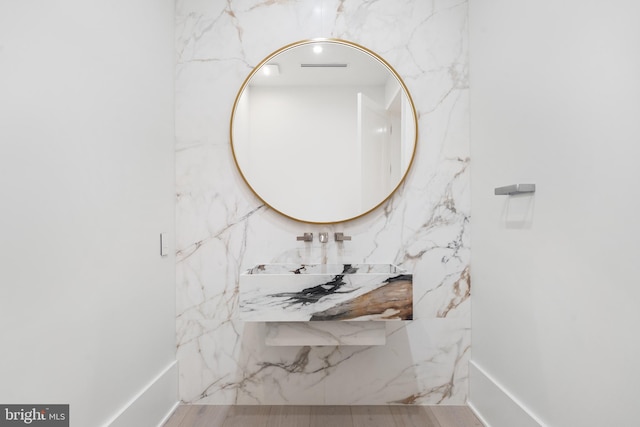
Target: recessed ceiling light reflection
(270,70)
(317,49)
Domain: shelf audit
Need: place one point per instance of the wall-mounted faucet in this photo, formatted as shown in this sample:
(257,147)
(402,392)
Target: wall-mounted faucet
(306,237)
(323,237)
(340,237)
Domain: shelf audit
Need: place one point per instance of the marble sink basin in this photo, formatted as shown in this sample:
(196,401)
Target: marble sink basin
(325,292)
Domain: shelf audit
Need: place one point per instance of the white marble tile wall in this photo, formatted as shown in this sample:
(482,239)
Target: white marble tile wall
(223,229)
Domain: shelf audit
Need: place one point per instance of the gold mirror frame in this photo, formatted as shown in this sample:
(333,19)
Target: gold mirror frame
(310,42)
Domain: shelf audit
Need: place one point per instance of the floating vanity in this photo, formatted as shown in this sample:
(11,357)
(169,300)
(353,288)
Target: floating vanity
(321,292)
(320,304)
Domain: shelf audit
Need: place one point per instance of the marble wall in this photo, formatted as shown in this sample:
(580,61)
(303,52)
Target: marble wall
(223,229)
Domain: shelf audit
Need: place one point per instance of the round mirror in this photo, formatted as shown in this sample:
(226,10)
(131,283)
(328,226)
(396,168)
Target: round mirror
(323,131)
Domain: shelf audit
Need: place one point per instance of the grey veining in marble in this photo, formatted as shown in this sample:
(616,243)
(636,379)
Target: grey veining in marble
(223,229)
(327,333)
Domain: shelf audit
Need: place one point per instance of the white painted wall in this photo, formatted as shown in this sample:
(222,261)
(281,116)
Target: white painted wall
(555,100)
(307,132)
(87,173)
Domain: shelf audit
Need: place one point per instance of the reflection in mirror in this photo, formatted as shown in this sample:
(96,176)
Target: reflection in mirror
(323,131)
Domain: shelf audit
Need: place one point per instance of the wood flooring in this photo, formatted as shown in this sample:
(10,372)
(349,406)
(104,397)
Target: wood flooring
(322,416)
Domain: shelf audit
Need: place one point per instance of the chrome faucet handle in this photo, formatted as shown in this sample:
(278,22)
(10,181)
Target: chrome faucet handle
(340,237)
(306,237)
(324,237)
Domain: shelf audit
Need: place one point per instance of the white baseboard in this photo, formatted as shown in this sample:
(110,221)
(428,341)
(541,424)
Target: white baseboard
(494,405)
(168,414)
(153,405)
